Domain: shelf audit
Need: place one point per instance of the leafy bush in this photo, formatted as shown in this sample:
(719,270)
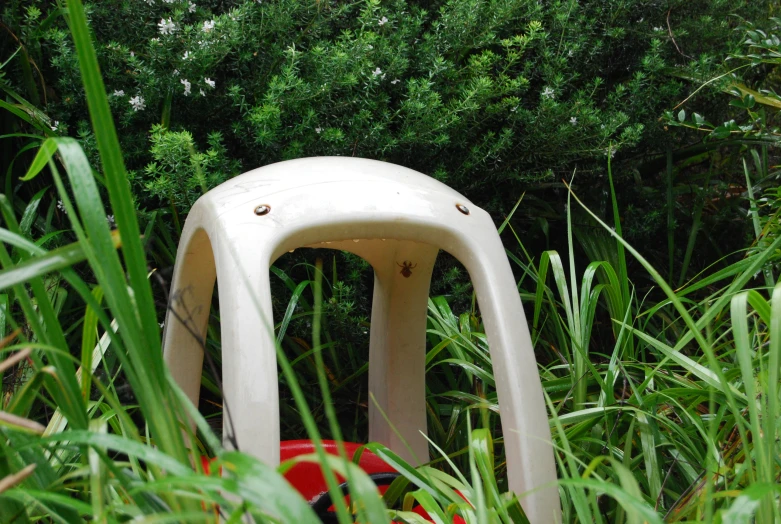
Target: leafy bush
(489,96)
(179,173)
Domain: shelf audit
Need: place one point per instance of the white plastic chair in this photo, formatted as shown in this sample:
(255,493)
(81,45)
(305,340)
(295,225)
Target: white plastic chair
(397,220)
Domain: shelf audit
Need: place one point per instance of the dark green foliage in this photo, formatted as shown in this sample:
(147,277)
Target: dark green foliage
(488,96)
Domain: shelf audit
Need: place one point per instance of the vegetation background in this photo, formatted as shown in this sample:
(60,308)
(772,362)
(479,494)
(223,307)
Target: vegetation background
(584,127)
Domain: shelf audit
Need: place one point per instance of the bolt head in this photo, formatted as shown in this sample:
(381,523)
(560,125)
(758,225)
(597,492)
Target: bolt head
(462,208)
(262,209)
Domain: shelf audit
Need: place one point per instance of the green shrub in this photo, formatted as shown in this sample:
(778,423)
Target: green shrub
(490,96)
(179,173)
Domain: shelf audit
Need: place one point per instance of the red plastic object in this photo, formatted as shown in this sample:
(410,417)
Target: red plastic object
(307,477)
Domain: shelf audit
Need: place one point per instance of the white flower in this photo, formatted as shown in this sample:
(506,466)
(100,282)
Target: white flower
(167,27)
(191,7)
(187,85)
(110,220)
(186,55)
(132,53)
(318,129)
(176,72)
(658,29)
(377,72)
(570,53)
(55,125)
(573,120)
(61,207)
(119,92)
(150,2)
(202,92)
(138,103)
(395,81)
(548,92)
(210,82)
(155,39)
(382,21)
(168,1)
(162,325)
(208,26)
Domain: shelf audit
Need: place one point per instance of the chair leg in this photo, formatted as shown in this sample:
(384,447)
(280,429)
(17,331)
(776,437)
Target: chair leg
(188,309)
(249,359)
(239,259)
(530,459)
(397,351)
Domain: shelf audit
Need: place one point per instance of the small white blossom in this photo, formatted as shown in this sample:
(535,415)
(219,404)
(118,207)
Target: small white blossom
(369,47)
(382,21)
(154,39)
(61,207)
(187,85)
(176,72)
(55,125)
(110,220)
(202,92)
(191,7)
(162,325)
(658,29)
(395,81)
(166,27)
(548,92)
(150,2)
(211,83)
(168,1)
(186,55)
(132,53)
(119,92)
(570,53)
(573,120)
(138,103)
(318,130)
(377,72)
(208,26)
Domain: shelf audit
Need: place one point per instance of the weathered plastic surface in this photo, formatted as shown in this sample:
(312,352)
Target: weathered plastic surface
(391,216)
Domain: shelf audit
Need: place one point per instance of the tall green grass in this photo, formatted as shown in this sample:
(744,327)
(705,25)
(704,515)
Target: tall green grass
(664,403)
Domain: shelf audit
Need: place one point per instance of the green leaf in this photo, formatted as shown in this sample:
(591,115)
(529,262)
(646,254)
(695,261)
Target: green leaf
(259,484)
(40,265)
